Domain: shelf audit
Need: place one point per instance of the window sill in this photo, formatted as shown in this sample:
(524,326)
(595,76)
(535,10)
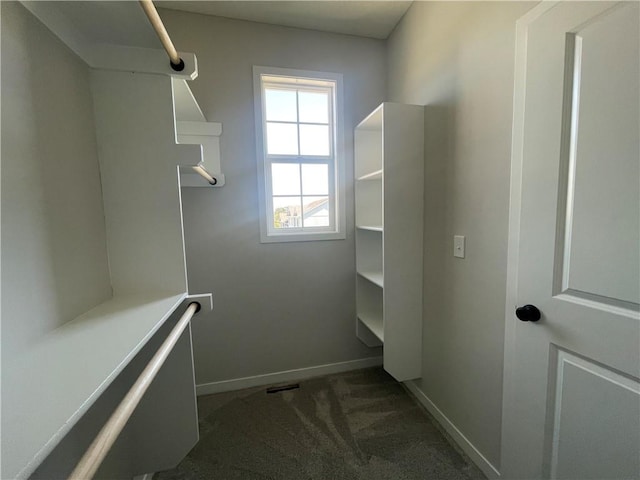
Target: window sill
(302,237)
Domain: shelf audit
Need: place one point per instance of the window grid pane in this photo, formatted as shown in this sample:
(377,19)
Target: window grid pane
(313,140)
(315,211)
(287,212)
(310,138)
(280,139)
(281,105)
(285,179)
(315,179)
(313,107)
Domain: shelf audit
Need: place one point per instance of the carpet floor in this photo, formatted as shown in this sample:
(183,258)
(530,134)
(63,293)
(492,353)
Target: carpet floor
(358,425)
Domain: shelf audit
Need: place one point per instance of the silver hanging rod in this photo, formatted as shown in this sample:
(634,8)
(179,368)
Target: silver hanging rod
(156,22)
(97,451)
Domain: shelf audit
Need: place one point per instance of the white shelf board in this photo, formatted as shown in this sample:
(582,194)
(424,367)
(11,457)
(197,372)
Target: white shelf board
(377,175)
(373,121)
(55,381)
(371,228)
(374,324)
(373,277)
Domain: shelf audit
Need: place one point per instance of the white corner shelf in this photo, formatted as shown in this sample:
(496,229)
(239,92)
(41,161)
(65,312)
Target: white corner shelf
(70,368)
(389,220)
(374,277)
(371,228)
(370,321)
(376,175)
(374,324)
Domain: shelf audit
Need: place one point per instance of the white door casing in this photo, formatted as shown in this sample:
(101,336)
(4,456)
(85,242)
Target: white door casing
(571,390)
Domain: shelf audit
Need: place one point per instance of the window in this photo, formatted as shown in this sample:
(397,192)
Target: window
(300,169)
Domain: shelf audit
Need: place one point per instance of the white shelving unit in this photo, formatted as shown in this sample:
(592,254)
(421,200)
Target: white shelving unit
(105,339)
(389,169)
(61,378)
(193,128)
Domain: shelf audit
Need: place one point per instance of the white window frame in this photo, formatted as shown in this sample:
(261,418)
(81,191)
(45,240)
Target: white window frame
(337,231)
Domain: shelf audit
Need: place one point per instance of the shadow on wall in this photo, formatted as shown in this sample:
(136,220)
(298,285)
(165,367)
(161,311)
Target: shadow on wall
(53,216)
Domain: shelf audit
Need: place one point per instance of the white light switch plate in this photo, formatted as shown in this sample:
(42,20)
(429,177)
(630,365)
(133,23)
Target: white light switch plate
(458,246)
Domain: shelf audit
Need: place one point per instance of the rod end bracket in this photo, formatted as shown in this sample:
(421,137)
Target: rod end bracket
(178,67)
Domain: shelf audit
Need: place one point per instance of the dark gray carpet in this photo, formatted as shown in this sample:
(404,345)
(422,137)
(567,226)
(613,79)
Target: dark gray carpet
(354,426)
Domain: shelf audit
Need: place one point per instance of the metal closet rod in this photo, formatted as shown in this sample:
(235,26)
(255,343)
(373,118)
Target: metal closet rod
(206,175)
(156,22)
(99,448)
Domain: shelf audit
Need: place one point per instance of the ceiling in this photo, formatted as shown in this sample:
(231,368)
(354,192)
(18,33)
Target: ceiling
(375,19)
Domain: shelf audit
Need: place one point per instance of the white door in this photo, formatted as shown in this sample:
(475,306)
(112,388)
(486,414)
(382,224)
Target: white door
(572,397)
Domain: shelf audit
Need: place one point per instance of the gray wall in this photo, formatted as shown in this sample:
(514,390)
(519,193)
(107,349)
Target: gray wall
(277,306)
(457,58)
(54,258)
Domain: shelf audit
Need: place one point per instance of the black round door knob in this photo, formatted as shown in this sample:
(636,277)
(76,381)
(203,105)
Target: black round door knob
(528,313)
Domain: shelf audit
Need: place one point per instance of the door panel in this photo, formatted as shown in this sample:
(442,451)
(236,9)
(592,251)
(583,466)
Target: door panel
(594,436)
(600,130)
(571,404)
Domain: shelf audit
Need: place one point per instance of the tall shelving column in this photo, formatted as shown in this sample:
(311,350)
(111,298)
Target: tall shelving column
(389,169)
(369,229)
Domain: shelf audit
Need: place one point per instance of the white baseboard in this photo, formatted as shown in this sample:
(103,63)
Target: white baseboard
(463,442)
(286,376)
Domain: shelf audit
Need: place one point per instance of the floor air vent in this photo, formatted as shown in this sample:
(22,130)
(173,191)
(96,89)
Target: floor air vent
(283,388)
